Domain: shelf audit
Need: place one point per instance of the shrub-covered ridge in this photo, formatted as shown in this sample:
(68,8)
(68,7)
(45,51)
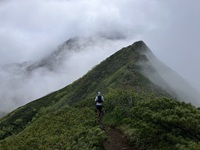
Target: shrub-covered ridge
(154,123)
(148,115)
(68,128)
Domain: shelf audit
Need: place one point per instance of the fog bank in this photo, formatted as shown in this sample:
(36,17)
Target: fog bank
(32,30)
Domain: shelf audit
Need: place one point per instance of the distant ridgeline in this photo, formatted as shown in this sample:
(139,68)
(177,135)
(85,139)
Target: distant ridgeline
(135,102)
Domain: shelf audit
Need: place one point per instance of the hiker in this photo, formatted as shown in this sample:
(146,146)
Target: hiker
(99,103)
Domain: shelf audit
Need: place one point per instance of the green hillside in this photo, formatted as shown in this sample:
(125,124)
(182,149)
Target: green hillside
(148,116)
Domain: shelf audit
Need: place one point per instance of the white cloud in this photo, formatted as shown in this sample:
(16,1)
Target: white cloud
(176,42)
(31,29)
(38,25)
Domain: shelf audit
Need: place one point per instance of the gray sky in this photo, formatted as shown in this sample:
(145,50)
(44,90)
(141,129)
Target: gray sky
(31,29)
(176,42)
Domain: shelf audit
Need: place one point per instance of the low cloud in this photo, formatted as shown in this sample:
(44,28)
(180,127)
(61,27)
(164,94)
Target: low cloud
(24,82)
(168,80)
(34,28)
(30,30)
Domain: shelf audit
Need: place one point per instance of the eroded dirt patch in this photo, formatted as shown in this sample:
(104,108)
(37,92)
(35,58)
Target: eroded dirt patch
(116,141)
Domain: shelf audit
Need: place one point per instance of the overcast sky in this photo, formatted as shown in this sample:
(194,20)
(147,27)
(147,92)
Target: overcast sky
(31,29)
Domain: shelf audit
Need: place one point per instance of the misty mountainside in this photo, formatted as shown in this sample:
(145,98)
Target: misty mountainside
(148,115)
(21,77)
(168,79)
(54,60)
(57,59)
(24,82)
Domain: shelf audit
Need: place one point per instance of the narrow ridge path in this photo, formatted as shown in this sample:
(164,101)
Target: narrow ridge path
(116,141)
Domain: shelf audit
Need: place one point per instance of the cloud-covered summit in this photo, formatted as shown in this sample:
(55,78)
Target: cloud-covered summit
(31,30)
(23,82)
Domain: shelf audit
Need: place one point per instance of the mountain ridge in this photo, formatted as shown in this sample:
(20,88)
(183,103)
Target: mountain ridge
(169,80)
(56,69)
(92,81)
(132,102)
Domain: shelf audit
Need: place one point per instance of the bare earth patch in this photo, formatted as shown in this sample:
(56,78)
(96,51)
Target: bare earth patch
(116,141)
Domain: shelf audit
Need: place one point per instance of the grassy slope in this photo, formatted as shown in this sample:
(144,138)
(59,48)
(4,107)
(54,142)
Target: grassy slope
(116,71)
(152,122)
(66,117)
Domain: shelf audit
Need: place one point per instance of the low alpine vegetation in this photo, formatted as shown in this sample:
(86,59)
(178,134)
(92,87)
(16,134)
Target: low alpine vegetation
(149,116)
(152,123)
(68,128)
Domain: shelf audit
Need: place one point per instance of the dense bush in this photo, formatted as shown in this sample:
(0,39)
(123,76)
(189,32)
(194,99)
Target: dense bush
(68,128)
(154,123)
(66,119)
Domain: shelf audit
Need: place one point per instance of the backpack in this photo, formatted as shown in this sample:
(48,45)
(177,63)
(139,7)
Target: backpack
(99,99)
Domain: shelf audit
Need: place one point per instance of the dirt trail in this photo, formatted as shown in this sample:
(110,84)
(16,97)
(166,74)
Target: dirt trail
(116,141)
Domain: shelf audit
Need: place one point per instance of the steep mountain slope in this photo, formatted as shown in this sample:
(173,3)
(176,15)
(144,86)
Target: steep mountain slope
(146,113)
(51,71)
(54,60)
(169,80)
(118,71)
(19,78)
(57,59)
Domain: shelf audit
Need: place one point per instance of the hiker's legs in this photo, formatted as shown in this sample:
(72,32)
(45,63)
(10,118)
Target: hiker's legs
(99,107)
